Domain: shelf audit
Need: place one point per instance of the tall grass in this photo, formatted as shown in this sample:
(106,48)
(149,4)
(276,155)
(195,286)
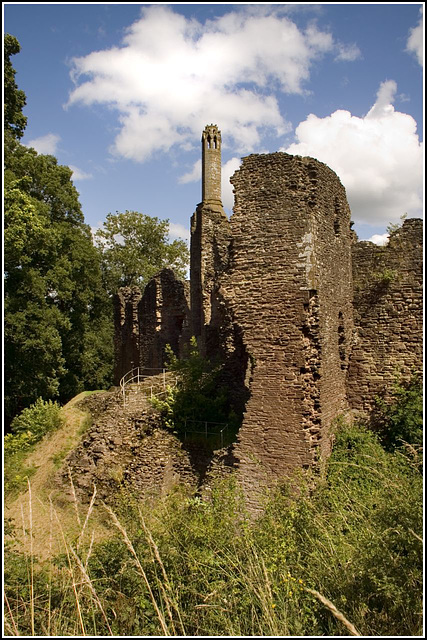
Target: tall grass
(344,559)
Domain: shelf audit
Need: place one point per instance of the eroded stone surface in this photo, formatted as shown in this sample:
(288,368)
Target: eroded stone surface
(272,294)
(388,303)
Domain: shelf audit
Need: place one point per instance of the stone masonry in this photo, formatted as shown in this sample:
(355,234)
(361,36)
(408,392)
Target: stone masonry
(146,323)
(288,288)
(210,237)
(272,294)
(388,315)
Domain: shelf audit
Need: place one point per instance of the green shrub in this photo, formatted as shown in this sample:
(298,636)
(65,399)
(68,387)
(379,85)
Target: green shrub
(198,396)
(386,276)
(40,418)
(400,420)
(28,428)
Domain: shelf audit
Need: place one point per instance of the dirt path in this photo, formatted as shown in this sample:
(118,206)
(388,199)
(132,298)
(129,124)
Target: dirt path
(44,509)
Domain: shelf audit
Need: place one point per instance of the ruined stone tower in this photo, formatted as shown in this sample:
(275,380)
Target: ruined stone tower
(285,300)
(272,295)
(211,165)
(209,234)
(145,322)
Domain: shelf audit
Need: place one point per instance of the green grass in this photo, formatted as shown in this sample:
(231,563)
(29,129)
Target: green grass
(28,429)
(345,556)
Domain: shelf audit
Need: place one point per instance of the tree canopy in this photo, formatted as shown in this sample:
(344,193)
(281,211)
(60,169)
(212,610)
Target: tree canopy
(57,321)
(14,99)
(134,247)
(56,309)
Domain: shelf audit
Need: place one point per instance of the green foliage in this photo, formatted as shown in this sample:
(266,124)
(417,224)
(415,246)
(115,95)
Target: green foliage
(134,247)
(393,227)
(386,276)
(198,396)
(14,99)
(184,565)
(28,428)
(58,318)
(400,420)
(40,418)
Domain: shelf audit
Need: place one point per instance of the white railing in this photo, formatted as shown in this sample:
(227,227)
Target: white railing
(136,376)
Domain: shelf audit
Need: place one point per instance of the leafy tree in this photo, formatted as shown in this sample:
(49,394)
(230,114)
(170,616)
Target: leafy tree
(58,320)
(134,247)
(14,99)
(58,329)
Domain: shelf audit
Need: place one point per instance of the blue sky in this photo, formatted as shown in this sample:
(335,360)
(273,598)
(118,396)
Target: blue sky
(121,94)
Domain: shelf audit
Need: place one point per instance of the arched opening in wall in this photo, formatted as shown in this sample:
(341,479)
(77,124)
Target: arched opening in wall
(215,144)
(209,141)
(341,340)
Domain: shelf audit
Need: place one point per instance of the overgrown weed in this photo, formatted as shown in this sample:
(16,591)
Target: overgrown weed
(344,558)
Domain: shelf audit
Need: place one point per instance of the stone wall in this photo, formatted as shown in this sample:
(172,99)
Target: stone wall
(210,239)
(146,323)
(388,305)
(271,294)
(126,331)
(126,448)
(287,294)
(163,319)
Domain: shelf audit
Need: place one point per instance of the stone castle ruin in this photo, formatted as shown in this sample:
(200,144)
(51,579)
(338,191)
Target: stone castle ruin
(308,321)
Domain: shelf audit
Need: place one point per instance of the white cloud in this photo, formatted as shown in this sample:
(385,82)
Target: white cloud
(348,53)
(379,239)
(172,75)
(177,230)
(78,174)
(192,176)
(378,158)
(45,144)
(415,42)
(227,170)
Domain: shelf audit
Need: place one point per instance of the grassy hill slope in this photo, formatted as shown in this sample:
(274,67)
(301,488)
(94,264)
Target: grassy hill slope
(42,511)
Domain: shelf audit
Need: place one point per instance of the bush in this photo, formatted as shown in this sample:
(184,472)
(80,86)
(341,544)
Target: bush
(40,418)
(198,395)
(28,428)
(401,419)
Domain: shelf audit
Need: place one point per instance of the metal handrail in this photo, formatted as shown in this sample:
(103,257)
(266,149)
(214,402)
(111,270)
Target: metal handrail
(131,376)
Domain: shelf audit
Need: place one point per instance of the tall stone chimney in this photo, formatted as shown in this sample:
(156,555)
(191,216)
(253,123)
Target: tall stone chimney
(209,236)
(211,165)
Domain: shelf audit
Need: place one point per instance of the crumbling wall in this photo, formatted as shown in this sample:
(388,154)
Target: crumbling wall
(146,323)
(272,295)
(126,331)
(163,319)
(288,292)
(388,299)
(210,237)
(125,449)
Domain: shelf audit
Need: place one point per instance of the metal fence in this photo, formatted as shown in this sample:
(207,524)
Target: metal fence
(138,375)
(209,430)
